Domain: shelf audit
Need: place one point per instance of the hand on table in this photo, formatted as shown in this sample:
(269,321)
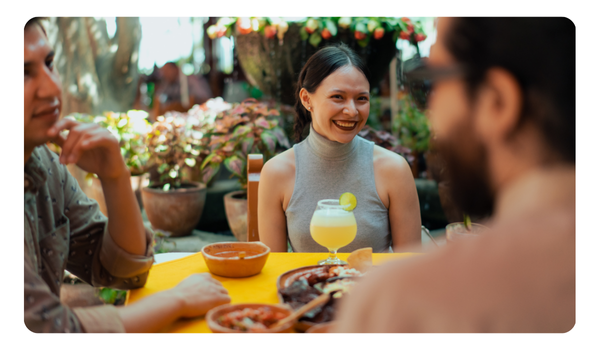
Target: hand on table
(200,293)
(91,147)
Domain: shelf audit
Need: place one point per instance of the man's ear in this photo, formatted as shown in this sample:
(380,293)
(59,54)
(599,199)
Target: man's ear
(305,98)
(499,105)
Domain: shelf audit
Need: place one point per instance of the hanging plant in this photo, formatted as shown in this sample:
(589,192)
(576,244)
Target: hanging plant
(316,29)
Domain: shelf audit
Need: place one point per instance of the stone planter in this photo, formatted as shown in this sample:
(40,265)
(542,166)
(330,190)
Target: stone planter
(236,209)
(175,211)
(274,67)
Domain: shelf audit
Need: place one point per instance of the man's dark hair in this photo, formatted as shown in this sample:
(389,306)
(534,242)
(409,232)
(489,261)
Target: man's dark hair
(318,67)
(36,21)
(540,53)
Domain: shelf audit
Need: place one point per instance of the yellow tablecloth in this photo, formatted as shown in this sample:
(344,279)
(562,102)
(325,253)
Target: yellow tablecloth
(260,288)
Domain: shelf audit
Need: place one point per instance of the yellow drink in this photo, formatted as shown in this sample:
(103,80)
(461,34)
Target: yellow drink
(333,228)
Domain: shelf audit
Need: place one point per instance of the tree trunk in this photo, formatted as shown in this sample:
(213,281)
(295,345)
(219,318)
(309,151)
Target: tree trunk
(98,73)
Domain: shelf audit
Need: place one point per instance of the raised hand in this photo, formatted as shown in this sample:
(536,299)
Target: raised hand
(200,293)
(93,148)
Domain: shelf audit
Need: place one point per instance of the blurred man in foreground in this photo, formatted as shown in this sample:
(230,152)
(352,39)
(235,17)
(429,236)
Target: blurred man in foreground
(503,112)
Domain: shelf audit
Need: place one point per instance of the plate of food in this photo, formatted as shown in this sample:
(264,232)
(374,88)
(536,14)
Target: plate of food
(298,287)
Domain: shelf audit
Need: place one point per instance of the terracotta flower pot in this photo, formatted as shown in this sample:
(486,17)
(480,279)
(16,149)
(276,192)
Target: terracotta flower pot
(176,211)
(236,209)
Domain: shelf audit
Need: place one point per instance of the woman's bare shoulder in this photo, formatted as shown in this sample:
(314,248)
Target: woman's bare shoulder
(387,160)
(283,164)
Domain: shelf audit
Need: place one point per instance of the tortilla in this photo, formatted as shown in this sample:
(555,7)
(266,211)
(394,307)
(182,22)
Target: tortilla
(361,259)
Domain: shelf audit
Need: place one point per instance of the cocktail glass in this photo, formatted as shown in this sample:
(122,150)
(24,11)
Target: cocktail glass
(332,227)
(457,231)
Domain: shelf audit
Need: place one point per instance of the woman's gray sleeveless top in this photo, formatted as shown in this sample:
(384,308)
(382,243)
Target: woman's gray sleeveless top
(324,170)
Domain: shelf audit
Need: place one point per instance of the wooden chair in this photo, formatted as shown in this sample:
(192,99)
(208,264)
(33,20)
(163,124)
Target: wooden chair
(255,164)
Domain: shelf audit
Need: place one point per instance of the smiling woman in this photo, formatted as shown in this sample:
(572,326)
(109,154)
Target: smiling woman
(332,105)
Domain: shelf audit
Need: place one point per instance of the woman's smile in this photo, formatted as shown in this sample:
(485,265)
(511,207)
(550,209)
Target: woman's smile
(346,125)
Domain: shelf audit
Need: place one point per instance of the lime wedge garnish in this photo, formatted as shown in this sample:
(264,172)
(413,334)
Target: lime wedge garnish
(348,201)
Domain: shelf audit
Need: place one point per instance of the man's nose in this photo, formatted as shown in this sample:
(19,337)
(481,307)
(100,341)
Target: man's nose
(49,84)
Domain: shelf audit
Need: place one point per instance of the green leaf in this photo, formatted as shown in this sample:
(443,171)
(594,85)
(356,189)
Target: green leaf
(403,26)
(315,39)
(161,148)
(207,160)
(210,172)
(241,130)
(263,123)
(362,27)
(247,144)
(173,173)
(234,164)
(269,140)
(191,162)
(331,26)
(166,187)
(303,34)
(108,295)
(162,168)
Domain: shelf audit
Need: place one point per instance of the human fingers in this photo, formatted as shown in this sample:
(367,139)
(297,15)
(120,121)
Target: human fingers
(75,136)
(63,124)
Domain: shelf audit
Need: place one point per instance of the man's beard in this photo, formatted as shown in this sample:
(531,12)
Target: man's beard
(466,170)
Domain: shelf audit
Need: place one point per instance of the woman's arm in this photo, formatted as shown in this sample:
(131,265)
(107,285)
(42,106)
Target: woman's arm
(274,190)
(394,178)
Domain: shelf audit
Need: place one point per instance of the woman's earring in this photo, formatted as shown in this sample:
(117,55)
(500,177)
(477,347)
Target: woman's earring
(308,108)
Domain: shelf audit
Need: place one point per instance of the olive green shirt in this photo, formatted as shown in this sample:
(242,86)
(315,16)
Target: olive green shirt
(65,230)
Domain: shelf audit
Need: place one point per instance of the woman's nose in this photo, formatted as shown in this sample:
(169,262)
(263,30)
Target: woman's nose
(350,109)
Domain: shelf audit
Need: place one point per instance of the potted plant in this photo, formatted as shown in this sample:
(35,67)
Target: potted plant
(172,202)
(130,129)
(248,127)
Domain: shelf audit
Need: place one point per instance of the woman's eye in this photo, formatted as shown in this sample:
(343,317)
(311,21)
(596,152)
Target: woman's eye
(50,64)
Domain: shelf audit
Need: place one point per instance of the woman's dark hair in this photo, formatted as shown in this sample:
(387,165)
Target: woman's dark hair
(318,67)
(540,53)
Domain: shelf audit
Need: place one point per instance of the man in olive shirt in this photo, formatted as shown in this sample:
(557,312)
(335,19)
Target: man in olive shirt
(65,230)
(503,112)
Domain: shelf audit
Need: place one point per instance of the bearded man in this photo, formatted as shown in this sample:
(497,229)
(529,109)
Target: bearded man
(502,110)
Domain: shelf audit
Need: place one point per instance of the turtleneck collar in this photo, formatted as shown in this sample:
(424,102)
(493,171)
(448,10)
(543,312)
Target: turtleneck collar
(327,149)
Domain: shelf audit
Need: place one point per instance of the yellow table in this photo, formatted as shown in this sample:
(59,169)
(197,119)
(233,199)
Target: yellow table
(260,288)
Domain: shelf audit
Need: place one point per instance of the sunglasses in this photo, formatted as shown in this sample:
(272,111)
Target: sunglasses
(421,77)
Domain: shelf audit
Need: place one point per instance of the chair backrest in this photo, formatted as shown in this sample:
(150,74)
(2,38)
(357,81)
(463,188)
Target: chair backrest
(255,164)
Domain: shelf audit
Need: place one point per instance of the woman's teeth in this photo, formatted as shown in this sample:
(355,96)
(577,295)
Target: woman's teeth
(345,124)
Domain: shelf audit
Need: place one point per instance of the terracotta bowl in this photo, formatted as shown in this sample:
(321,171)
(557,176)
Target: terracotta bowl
(214,314)
(224,259)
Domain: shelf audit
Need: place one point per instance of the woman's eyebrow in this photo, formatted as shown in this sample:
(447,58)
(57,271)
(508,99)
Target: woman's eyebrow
(342,91)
